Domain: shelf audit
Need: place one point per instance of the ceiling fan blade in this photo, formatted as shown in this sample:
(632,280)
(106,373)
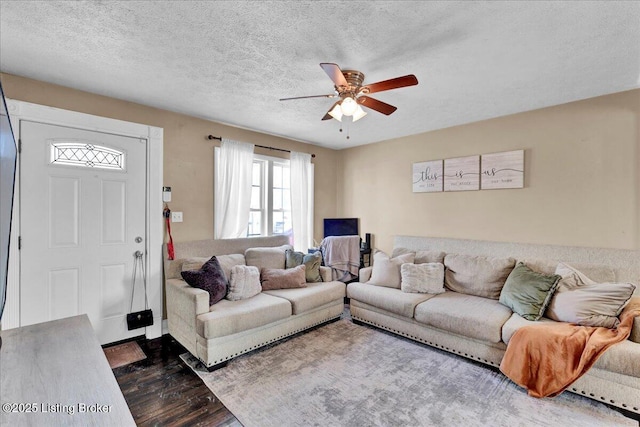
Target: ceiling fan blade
(374,104)
(408,80)
(332,95)
(335,73)
(328,116)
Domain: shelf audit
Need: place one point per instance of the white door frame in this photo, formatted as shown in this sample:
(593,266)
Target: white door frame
(20,110)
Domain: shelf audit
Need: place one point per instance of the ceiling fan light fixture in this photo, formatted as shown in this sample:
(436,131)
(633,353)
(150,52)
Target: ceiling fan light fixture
(352,93)
(348,106)
(360,113)
(336,113)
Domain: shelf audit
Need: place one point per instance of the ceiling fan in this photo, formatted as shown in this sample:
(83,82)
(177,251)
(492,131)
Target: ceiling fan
(353,94)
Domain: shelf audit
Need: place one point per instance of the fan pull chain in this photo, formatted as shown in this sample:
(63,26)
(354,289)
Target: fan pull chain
(348,128)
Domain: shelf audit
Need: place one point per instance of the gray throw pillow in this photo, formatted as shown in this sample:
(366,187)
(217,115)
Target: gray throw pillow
(582,301)
(312,263)
(527,292)
(210,278)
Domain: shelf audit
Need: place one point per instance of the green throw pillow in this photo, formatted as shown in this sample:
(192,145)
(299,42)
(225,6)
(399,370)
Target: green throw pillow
(527,292)
(311,261)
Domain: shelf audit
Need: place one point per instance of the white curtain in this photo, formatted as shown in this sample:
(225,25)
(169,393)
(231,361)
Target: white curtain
(302,200)
(233,163)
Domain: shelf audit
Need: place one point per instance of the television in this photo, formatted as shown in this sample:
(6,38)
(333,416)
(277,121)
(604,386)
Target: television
(8,155)
(341,227)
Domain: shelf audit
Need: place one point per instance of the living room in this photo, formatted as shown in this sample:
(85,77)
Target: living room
(575,119)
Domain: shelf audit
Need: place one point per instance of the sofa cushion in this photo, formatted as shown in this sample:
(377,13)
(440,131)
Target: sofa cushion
(313,296)
(467,315)
(276,278)
(598,273)
(477,275)
(227,262)
(421,257)
(194,263)
(621,358)
(422,278)
(244,282)
(386,271)
(210,278)
(516,322)
(389,299)
(635,330)
(528,292)
(230,317)
(266,257)
(311,261)
(581,300)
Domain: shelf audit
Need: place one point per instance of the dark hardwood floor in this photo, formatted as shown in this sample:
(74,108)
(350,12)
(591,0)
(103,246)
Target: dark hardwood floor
(162,391)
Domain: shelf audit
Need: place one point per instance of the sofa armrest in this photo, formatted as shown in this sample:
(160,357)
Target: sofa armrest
(634,303)
(365,274)
(635,330)
(184,304)
(325,273)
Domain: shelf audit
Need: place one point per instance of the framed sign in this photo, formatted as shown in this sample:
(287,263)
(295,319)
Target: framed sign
(502,170)
(427,176)
(462,173)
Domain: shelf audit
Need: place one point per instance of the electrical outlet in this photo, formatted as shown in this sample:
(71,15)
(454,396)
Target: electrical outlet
(176,216)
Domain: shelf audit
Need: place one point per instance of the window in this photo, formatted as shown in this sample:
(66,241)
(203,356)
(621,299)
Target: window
(270,211)
(85,155)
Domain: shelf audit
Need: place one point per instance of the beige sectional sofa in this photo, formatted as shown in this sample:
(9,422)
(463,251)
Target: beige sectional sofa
(480,327)
(217,333)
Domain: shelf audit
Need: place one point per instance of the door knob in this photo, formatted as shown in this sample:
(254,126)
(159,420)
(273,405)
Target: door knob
(138,239)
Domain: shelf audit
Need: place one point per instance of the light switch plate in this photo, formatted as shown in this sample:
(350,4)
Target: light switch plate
(176,216)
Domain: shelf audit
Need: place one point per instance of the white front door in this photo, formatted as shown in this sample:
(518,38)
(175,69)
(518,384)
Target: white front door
(82,202)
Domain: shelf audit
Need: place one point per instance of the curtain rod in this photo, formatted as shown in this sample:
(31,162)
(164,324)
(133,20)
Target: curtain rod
(261,146)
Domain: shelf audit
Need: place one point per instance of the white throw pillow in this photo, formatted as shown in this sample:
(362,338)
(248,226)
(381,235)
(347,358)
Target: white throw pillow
(244,282)
(426,278)
(580,300)
(386,271)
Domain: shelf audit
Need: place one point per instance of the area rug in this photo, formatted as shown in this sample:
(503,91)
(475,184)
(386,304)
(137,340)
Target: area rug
(123,354)
(344,374)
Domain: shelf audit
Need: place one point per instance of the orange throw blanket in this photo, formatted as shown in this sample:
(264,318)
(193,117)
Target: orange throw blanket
(545,359)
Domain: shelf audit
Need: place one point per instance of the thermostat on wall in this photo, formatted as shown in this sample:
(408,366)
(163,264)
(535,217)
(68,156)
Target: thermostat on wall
(166,194)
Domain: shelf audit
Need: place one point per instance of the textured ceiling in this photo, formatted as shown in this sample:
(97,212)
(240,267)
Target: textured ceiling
(231,61)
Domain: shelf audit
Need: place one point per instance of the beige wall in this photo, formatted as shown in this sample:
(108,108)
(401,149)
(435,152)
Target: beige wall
(188,155)
(582,173)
